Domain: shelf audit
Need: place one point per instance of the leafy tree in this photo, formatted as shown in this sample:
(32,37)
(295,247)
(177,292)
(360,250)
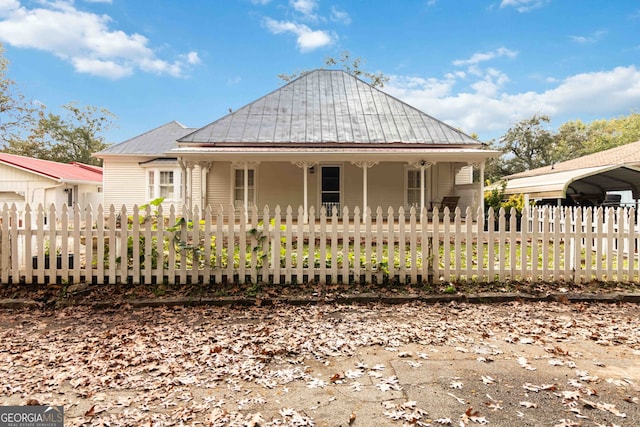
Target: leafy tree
(76,136)
(605,134)
(351,66)
(527,145)
(16,113)
(570,140)
(28,130)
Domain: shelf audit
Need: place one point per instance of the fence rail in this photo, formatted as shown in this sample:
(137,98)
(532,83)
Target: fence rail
(148,245)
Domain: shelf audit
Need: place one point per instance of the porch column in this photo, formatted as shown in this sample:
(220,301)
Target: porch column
(246,189)
(482,165)
(305,172)
(186,184)
(365,165)
(205,167)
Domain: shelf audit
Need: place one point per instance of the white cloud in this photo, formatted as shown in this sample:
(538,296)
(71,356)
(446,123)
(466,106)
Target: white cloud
(588,39)
(479,57)
(523,5)
(485,108)
(192,58)
(84,39)
(96,67)
(340,16)
(305,7)
(307,40)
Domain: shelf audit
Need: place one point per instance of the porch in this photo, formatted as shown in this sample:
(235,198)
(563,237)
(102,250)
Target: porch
(333,184)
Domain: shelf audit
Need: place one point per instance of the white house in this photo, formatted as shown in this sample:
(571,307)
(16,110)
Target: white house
(325,139)
(35,181)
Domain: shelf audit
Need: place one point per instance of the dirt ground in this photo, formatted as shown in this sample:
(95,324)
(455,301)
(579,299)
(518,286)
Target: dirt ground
(525,364)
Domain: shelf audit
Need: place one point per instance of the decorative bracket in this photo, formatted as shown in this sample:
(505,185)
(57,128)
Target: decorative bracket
(364,163)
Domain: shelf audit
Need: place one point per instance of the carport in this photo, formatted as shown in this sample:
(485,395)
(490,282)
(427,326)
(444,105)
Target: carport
(583,186)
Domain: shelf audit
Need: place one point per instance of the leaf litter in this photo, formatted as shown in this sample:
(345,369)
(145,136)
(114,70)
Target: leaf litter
(207,365)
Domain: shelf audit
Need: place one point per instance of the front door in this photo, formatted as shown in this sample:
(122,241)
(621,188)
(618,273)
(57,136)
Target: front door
(330,188)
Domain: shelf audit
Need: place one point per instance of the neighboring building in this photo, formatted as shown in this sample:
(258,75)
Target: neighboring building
(586,180)
(324,139)
(139,170)
(34,181)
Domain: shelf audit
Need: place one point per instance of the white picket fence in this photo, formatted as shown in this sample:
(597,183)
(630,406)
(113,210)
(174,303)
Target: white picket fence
(218,245)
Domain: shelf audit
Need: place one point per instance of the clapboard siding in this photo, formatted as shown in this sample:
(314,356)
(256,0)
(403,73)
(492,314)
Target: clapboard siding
(124,183)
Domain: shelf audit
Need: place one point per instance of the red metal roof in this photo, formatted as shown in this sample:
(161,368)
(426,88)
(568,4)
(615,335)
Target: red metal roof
(54,170)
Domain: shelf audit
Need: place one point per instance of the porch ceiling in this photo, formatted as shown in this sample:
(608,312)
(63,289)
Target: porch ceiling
(317,154)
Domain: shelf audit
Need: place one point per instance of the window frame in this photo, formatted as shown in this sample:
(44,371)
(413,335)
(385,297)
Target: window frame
(409,170)
(253,192)
(154,185)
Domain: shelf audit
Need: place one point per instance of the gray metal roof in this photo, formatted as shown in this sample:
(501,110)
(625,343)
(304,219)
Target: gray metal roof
(155,142)
(324,107)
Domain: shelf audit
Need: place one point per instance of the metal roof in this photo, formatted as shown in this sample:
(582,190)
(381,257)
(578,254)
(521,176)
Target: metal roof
(62,172)
(155,142)
(328,106)
(628,154)
(587,180)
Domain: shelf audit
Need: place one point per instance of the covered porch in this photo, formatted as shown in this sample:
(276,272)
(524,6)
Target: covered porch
(333,180)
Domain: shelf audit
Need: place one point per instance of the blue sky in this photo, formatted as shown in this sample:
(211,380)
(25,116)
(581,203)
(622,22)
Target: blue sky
(479,65)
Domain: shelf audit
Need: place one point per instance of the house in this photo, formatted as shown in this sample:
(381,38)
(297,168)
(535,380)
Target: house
(141,169)
(325,139)
(35,181)
(587,180)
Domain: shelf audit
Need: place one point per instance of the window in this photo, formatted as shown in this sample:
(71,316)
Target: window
(166,185)
(238,187)
(413,188)
(330,188)
(163,183)
(70,198)
(152,184)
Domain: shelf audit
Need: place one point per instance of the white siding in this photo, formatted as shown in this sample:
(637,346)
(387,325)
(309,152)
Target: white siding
(465,175)
(443,180)
(282,183)
(125,183)
(219,184)
(16,182)
(386,186)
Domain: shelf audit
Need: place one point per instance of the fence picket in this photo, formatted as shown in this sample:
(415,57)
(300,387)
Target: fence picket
(288,243)
(345,245)
(28,242)
(357,228)
(469,244)
(391,244)
(300,245)
(136,246)
(379,237)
